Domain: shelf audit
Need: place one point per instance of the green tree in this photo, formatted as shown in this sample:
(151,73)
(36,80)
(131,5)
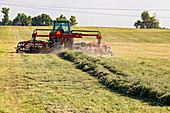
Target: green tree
(17,20)
(146,18)
(5,11)
(42,20)
(29,20)
(138,23)
(62,17)
(10,23)
(1,23)
(37,21)
(73,21)
(147,21)
(22,19)
(46,20)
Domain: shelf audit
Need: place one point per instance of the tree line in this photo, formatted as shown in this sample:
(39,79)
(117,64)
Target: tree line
(147,22)
(41,20)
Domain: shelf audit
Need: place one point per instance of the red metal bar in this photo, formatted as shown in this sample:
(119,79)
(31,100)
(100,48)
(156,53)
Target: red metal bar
(72,35)
(90,35)
(65,36)
(63,41)
(25,45)
(69,35)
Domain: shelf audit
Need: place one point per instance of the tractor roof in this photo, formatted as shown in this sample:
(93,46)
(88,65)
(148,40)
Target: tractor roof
(61,21)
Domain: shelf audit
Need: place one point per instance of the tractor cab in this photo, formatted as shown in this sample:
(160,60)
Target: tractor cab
(61,25)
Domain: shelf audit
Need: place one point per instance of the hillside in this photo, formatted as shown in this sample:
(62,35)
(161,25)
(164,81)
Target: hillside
(49,83)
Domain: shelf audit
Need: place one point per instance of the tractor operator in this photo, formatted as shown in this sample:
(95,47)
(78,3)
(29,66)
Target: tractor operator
(61,28)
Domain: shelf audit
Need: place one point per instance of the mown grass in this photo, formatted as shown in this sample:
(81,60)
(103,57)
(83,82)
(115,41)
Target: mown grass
(50,84)
(47,83)
(137,79)
(111,35)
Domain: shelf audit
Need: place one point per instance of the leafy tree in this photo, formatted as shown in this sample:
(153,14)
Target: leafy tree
(5,11)
(42,20)
(62,17)
(10,23)
(73,21)
(17,20)
(36,21)
(22,19)
(46,19)
(29,20)
(147,21)
(146,18)
(138,23)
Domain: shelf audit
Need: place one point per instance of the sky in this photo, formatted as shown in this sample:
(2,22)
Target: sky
(103,18)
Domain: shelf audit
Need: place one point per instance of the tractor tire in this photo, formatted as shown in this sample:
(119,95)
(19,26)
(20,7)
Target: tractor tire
(70,42)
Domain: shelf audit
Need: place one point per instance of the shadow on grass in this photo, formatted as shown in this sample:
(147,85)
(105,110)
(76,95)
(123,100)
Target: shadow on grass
(150,101)
(147,100)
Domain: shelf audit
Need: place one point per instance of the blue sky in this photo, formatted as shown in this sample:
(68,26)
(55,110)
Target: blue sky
(86,19)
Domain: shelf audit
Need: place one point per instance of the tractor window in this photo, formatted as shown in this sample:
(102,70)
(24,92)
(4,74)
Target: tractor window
(65,26)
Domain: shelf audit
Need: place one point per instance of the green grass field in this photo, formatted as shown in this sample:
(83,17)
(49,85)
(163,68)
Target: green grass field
(49,83)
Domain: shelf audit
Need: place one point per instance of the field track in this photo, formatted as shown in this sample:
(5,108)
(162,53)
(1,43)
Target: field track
(48,83)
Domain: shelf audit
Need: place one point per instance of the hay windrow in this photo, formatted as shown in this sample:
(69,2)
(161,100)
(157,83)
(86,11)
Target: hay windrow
(117,79)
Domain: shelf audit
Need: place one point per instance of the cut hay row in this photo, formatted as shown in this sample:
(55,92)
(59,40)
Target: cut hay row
(121,80)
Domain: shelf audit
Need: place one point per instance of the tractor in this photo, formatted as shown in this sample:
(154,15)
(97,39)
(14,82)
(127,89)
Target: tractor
(61,37)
